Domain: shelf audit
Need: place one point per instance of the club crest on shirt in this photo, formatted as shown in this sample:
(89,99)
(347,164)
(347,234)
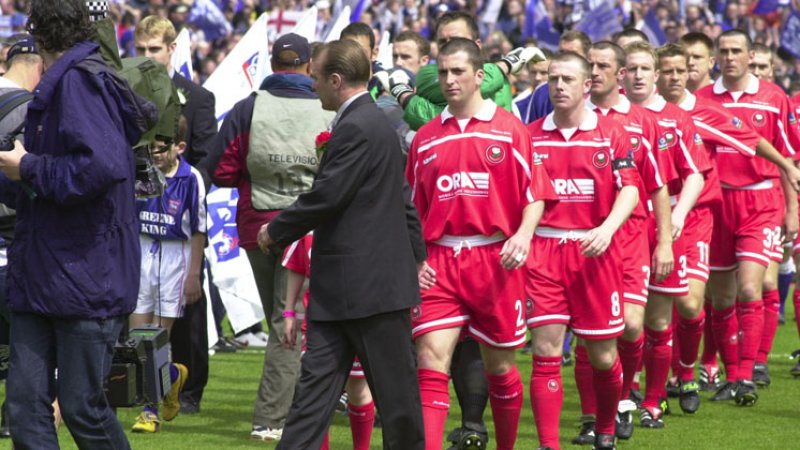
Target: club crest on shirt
(697,139)
(669,138)
(792,118)
(737,122)
(662,143)
(173,206)
(635,143)
(495,154)
(758,119)
(600,159)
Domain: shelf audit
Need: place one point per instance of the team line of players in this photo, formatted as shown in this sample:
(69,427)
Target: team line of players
(603,217)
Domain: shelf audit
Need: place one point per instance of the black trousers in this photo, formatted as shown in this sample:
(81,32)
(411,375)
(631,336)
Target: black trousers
(384,347)
(189,340)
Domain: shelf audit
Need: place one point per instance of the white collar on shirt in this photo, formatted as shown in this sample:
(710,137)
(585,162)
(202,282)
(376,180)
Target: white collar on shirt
(589,122)
(688,102)
(752,85)
(623,105)
(485,114)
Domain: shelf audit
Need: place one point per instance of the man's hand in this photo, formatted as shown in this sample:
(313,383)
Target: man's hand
(596,241)
(264,240)
(192,290)
(793,176)
(678,221)
(517,58)
(663,261)
(289,338)
(515,251)
(10,161)
(396,82)
(426,275)
(790,226)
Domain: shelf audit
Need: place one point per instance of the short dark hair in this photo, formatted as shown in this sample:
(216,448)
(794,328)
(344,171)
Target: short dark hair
(670,51)
(455,45)
(696,37)
(346,58)
(586,68)
(57,25)
(455,16)
(737,32)
(423,45)
(619,53)
(359,29)
(630,33)
(579,36)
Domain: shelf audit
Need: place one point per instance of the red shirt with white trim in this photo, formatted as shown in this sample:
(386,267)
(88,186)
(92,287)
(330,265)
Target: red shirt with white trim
(680,149)
(474,177)
(587,167)
(643,136)
(765,108)
(297,258)
(722,132)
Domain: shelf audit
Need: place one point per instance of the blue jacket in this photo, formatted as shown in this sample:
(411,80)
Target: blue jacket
(76,252)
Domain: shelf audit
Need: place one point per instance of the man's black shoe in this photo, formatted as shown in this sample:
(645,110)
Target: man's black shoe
(746,394)
(604,442)
(761,375)
(725,393)
(689,399)
(673,389)
(586,435)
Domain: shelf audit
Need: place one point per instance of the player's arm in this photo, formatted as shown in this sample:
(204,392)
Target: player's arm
(516,248)
(791,174)
(192,288)
(692,187)
(294,284)
(598,239)
(663,260)
(790,220)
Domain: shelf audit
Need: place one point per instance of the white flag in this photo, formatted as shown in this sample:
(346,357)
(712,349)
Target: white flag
(385,51)
(229,263)
(342,21)
(307,26)
(182,57)
(242,71)
(281,22)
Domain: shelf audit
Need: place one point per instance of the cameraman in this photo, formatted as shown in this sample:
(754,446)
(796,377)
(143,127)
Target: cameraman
(23,74)
(74,263)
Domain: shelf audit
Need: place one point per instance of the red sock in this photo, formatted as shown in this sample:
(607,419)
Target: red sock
(726,336)
(326,443)
(796,300)
(630,355)
(772,307)
(675,362)
(547,396)
(435,404)
(362,418)
(751,320)
(608,385)
(505,396)
(690,331)
(657,355)
(584,383)
(709,343)
(636,375)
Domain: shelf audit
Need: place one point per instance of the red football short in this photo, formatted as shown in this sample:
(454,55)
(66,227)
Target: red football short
(776,253)
(697,242)
(565,287)
(744,227)
(473,289)
(675,284)
(635,260)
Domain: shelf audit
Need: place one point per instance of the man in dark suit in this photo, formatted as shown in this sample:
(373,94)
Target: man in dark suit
(363,280)
(154,38)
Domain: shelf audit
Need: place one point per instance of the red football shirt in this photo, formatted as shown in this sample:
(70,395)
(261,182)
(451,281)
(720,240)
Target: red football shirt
(643,137)
(680,149)
(587,167)
(765,108)
(722,132)
(474,177)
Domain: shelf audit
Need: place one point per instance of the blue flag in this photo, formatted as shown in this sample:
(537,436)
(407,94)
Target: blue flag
(600,23)
(790,34)
(539,27)
(765,7)
(359,8)
(652,28)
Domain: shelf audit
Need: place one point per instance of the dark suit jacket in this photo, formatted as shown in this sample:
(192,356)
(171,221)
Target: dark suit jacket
(366,232)
(200,119)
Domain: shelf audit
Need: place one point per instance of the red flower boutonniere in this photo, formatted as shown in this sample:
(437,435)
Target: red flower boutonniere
(321,143)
